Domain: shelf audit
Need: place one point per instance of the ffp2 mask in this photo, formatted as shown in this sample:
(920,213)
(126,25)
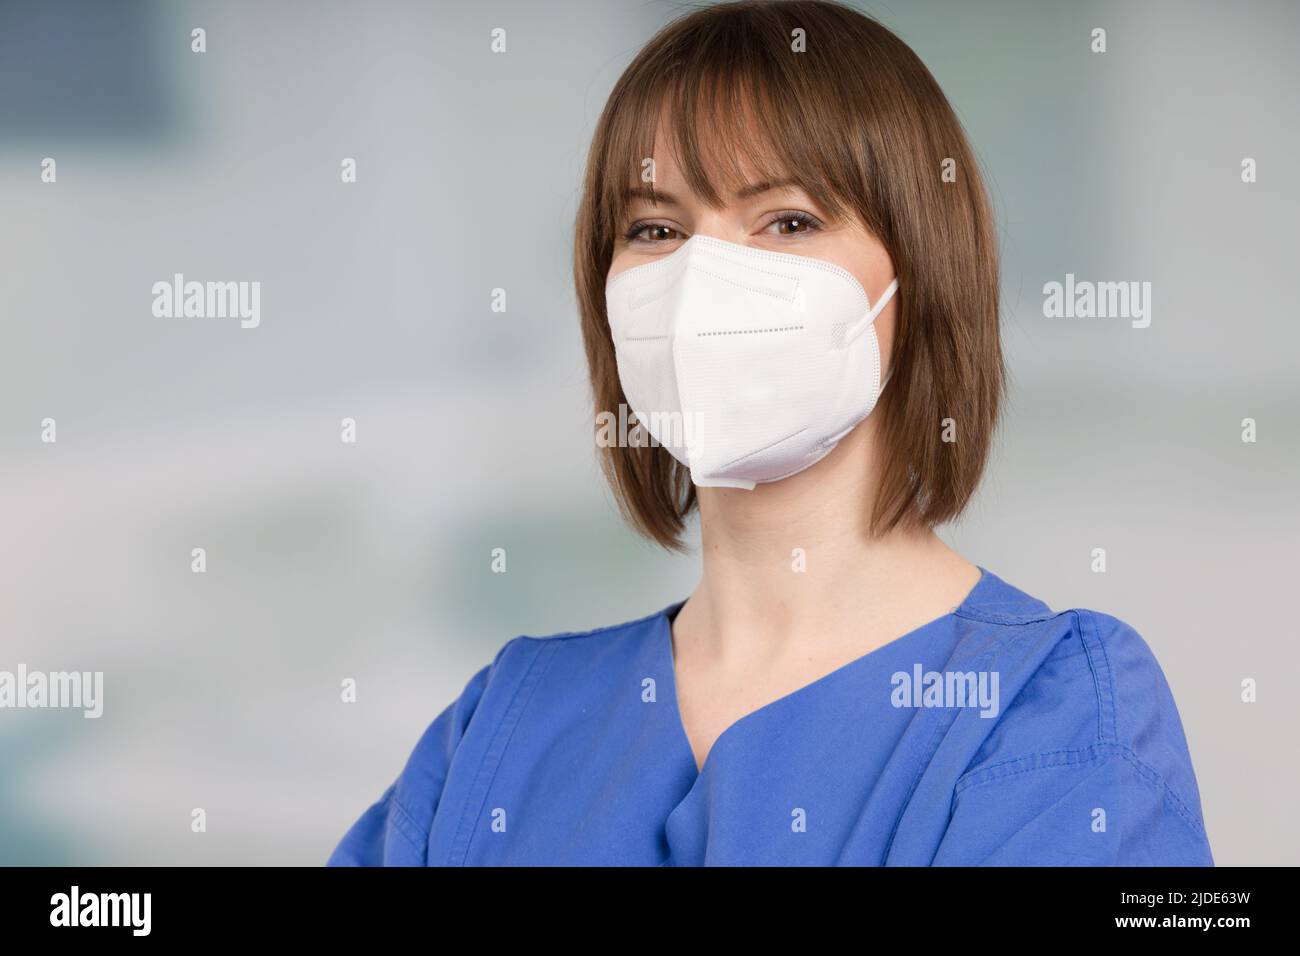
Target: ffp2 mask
(747,365)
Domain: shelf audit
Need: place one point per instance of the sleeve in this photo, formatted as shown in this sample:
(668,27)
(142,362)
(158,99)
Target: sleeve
(1064,809)
(394,830)
(1114,786)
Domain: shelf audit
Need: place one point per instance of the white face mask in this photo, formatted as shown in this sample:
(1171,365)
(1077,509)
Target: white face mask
(746,365)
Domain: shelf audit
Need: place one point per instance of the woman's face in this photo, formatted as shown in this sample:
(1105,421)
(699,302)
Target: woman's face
(779,217)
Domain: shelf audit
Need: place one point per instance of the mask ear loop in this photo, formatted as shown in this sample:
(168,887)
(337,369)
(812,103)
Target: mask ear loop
(884,300)
(861,324)
(871,317)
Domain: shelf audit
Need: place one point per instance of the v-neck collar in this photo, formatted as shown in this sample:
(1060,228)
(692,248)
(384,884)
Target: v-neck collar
(664,642)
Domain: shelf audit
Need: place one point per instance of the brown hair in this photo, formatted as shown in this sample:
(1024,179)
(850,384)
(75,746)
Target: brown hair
(859,123)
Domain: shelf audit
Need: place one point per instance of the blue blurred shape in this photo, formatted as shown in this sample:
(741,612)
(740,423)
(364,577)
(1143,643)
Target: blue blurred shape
(86,69)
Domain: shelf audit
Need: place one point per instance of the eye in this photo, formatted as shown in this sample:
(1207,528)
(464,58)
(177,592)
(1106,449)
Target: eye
(642,231)
(792,222)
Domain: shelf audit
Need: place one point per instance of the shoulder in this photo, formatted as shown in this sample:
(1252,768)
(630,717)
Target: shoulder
(563,664)
(596,639)
(564,669)
(1086,691)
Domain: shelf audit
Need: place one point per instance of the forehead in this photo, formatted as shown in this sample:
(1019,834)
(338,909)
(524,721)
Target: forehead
(714,153)
(708,122)
(735,178)
(728,159)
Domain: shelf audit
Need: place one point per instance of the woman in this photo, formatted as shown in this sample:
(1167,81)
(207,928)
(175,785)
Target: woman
(781,215)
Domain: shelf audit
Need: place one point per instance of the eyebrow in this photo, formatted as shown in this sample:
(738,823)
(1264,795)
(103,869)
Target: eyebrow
(659,197)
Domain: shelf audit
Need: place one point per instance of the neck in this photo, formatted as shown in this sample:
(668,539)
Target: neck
(794,562)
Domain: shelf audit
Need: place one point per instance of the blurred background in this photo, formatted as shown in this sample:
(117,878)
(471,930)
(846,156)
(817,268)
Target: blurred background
(371,560)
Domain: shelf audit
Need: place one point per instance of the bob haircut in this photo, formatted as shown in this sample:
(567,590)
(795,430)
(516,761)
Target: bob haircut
(858,122)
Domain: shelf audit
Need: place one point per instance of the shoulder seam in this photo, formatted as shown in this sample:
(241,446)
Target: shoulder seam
(490,760)
(995,617)
(569,635)
(1103,680)
(1107,718)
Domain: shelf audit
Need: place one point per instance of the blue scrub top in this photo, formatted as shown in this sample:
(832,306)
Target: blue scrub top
(569,750)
